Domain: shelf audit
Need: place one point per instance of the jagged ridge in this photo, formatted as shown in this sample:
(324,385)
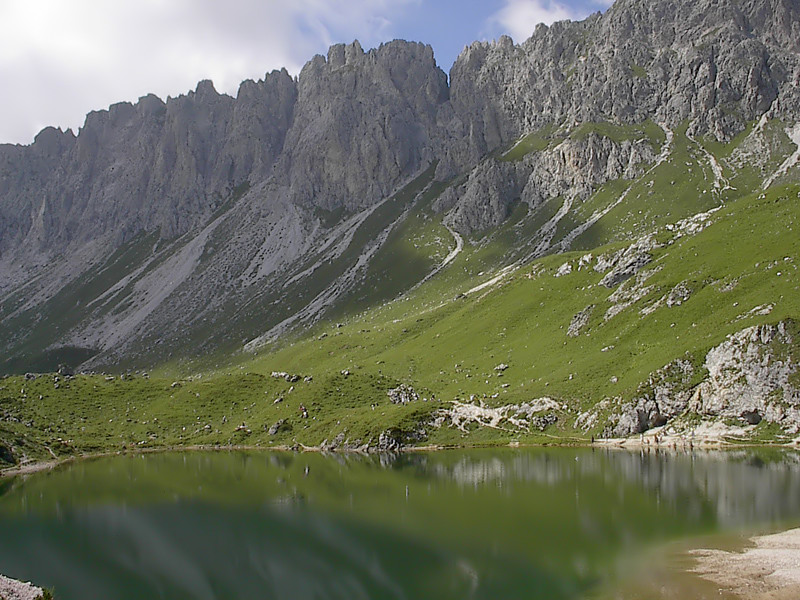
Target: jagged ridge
(224,211)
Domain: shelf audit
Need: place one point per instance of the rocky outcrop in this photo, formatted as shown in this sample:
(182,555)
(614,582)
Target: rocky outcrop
(403,394)
(625,66)
(484,201)
(11,589)
(278,426)
(394,439)
(665,396)
(753,375)
(625,263)
(579,321)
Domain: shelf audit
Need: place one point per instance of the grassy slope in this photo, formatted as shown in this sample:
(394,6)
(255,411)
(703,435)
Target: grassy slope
(447,344)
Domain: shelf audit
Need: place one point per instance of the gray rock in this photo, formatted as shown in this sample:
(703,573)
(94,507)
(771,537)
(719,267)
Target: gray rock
(626,263)
(393,440)
(754,372)
(278,426)
(403,394)
(484,201)
(389,441)
(665,395)
(11,589)
(337,443)
(678,295)
(752,376)
(544,421)
(625,66)
(579,321)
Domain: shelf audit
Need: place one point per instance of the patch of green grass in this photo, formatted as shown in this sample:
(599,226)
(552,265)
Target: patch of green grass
(621,133)
(536,141)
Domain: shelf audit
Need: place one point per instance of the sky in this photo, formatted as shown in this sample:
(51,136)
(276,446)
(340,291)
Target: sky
(60,59)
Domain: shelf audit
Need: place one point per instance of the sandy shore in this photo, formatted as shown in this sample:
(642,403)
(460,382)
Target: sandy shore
(706,436)
(767,570)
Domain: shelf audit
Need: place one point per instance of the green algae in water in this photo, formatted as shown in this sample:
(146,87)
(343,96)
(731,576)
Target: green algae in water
(502,523)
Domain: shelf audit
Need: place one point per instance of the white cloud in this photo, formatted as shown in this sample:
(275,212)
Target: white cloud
(519,18)
(59,60)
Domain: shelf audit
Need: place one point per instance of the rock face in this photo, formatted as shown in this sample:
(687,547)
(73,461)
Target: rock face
(626,66)
(363,123)
(150,166)
(752,376)
(202,221)
(484,201)
(11,589)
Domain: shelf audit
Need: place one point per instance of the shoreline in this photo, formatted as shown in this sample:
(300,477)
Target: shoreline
(664,443)
(767,568)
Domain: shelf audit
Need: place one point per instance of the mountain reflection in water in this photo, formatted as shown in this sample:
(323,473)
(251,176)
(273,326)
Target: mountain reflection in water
(521,523)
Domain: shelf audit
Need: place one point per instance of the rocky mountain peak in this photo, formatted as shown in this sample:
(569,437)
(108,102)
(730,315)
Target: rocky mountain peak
(255,183)
(52,141)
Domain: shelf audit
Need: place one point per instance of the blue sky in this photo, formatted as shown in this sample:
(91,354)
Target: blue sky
(449,26)
(59,59)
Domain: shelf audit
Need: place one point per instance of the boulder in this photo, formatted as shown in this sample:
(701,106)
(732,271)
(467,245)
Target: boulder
(278,426)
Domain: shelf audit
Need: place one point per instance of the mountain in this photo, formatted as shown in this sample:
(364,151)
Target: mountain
(207,228)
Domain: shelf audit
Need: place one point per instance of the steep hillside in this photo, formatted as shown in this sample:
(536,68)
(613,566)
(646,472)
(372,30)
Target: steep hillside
(589,234)
(687,331)
(204,223)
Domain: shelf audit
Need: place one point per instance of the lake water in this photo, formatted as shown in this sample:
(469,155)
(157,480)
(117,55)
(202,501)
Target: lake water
(501,524)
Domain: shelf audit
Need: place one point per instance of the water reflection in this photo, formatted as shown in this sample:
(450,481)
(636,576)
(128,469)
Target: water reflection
(528,523)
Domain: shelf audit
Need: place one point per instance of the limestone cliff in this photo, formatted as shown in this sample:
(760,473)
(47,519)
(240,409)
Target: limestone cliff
(206,220)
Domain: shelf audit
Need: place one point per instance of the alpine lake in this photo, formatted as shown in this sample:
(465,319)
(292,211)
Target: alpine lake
(507,523)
